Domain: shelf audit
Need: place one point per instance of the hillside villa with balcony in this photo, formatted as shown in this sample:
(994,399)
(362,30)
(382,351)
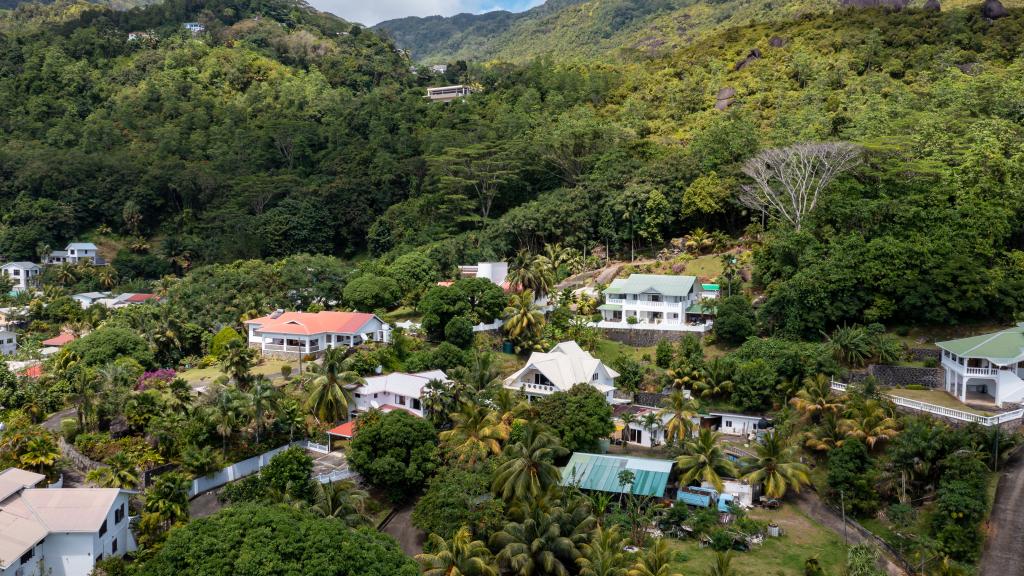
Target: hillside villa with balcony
(448,93)
(396,391)
(286,334)
(565,366)
(988,368)
(655,302)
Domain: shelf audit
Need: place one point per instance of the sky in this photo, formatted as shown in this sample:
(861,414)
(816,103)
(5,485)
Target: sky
(370,12)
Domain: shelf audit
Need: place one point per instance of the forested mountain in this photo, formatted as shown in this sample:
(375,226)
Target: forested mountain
(281,131)
(616,29)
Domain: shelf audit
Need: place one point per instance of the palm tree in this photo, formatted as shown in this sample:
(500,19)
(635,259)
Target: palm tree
(722,565)
(603,556)
(84,388)
(850,345)
(119,473)
(532,273)
(704,460)
(815,398)
(167,498)
(681,411)
(291,415)
(530,469)
(655,561)
(871,422)
(330,391)
(263,399)
(40,453)
(540,545)
(462,557)
(438,401)
(697,240)
(776,465)
(523,320)
(714,381)
(627,419)
(342,500)
(476,433)
(107,277)
(65,275)
(237,362)
(224,412)
(652,423)
(826,436)
(686,378)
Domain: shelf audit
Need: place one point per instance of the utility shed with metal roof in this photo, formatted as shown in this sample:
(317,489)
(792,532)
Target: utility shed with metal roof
(601,472)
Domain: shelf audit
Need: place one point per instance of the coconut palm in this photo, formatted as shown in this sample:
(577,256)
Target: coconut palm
(224,411)
(850,345)
(531,273)
(722,565)
(715,379)
(476,433)
(698,240)
(776,465)
(655,561)
(603,556)
(342,500)
(523,320)
(826,436)
(543,544)
(65,275)
(84,390)
(263,399)
(705,460)
(680,411)
(871,422)
(652,423)
(686,378)
(167,498)
(438,401)
(463,556)
(330,388)
(530,469)
(627,419)
(815,397)
(107,277)
(237,362)
(39,453)
(118,473)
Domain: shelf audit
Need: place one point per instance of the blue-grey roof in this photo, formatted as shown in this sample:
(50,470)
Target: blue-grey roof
(81,246)
(601,472)
(21,264)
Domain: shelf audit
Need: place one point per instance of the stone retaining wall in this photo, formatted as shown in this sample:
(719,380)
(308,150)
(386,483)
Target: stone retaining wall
(900,376)
(641,337)
(923,354)
(79,460)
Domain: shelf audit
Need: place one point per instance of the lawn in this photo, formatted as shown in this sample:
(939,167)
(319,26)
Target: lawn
(802,539)
(937,397)
(270,368)
(707,267)
(608,351)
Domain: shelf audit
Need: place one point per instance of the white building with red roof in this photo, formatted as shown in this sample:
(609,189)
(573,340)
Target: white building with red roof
(285,333)
(63,531)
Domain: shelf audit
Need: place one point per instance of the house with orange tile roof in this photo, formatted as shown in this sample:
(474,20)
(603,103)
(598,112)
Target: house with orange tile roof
(65,530)
(287,334)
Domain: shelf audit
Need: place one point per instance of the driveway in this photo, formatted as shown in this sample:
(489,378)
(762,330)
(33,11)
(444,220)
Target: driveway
(1002,554)
(810,503)
(53,422)
(409,537)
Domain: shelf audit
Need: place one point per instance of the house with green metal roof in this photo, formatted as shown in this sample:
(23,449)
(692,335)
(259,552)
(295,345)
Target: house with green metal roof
(656,302)
(988,368)
(604,473)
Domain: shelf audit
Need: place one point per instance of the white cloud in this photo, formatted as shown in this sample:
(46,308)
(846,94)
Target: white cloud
(370,12)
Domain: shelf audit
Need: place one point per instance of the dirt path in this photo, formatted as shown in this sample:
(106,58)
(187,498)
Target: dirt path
(1002,554)
(409,537)
(53,422)
(811,505)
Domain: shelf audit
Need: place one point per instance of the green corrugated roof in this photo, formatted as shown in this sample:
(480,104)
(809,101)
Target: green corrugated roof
(698,308)
(660,283)
(600,472)
(1000,347)
(709,287)
(610,307)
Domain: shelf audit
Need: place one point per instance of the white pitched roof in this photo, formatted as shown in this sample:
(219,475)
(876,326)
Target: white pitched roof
(81,246)
(565,366)
(404,384)
(22,265)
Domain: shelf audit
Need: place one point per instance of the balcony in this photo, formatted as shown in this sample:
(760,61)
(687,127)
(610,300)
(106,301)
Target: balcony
(296,349)
(644,304)
(970,371)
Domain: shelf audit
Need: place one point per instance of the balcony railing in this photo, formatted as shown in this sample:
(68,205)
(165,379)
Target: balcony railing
(971,371)
(643,303)
(944,411)
(283,348)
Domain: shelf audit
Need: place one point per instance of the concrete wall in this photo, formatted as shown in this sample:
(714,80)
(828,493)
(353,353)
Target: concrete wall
(236,471)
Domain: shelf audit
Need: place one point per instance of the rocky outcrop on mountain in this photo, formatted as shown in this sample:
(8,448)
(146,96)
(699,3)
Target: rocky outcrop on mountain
(993,9)
(726,96)
(753,55)
(932,6)
(777,42)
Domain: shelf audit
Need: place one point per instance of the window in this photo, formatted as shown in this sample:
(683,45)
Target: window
(16,272)
(99,557)
(103,528)
(357,395)
(113,546)
(119,514)
(594,377)
(636,436)
(400,400)
(28,555)
(655,297)
(728,423)
(416,404)
(375,396)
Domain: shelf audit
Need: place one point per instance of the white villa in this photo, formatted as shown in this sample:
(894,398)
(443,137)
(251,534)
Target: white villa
(396,391)
(8,342)
(655,302)
(23,274)
(496,272)
(987,368)
(448,93)
(559,370)
(312,333)
(74,253)
(59,531)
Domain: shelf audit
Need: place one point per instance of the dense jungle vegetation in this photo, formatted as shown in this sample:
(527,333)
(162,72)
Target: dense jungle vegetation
(282,131)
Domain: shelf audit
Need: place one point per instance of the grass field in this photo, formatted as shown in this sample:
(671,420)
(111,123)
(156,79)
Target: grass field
(802,539)
(608,351)
(937,397)
(270,368)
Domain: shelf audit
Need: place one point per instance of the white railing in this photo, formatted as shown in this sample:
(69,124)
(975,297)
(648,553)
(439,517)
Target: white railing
(283,348)
(981,371)
(334,476)
(951,413)
(313,446)
(481,327)
(240,470)
(542,387)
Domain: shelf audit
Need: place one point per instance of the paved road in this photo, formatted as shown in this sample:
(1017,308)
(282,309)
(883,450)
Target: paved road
(810,503)
(409,537)
(53,422)
(1002,554)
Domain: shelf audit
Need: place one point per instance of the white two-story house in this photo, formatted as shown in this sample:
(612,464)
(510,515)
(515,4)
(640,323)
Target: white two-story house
(59,531)
(396,391)
(655,302)
(290,333)
(559,370)
(987,368)
(23,275)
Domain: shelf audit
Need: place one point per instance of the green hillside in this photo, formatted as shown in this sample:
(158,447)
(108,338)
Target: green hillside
(617,29)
